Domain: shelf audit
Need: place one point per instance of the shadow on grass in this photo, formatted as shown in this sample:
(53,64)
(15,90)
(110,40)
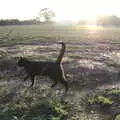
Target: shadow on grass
(40,110)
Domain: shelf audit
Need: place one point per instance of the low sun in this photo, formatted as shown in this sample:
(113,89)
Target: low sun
(73,10)
(83,9)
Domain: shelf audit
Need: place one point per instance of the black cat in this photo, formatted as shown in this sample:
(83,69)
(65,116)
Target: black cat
(54,70)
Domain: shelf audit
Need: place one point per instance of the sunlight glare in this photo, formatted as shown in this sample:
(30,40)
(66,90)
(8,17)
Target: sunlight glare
(73,10)
(87,10)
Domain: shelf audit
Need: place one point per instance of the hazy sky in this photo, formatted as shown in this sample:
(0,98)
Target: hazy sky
(64,9)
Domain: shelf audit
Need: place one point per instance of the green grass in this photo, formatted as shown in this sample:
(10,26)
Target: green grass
(68,33)
(40,110)
(105,102)
(82,41)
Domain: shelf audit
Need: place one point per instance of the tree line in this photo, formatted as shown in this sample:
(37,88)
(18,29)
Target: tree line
(103,21)
(47,15)
(17,22)
(108,21)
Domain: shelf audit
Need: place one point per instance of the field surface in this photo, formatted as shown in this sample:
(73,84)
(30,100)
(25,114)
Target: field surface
(91,61)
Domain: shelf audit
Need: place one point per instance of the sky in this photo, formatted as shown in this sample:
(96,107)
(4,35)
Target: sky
(64,9)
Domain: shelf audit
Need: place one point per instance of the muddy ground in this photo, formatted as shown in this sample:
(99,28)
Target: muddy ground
(88,66)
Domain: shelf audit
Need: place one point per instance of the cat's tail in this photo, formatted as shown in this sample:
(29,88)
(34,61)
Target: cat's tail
(62,51)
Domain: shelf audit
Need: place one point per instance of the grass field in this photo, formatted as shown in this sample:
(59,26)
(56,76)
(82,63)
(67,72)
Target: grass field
(91,62)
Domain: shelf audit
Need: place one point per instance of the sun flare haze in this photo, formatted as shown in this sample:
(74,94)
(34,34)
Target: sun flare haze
(73,10)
